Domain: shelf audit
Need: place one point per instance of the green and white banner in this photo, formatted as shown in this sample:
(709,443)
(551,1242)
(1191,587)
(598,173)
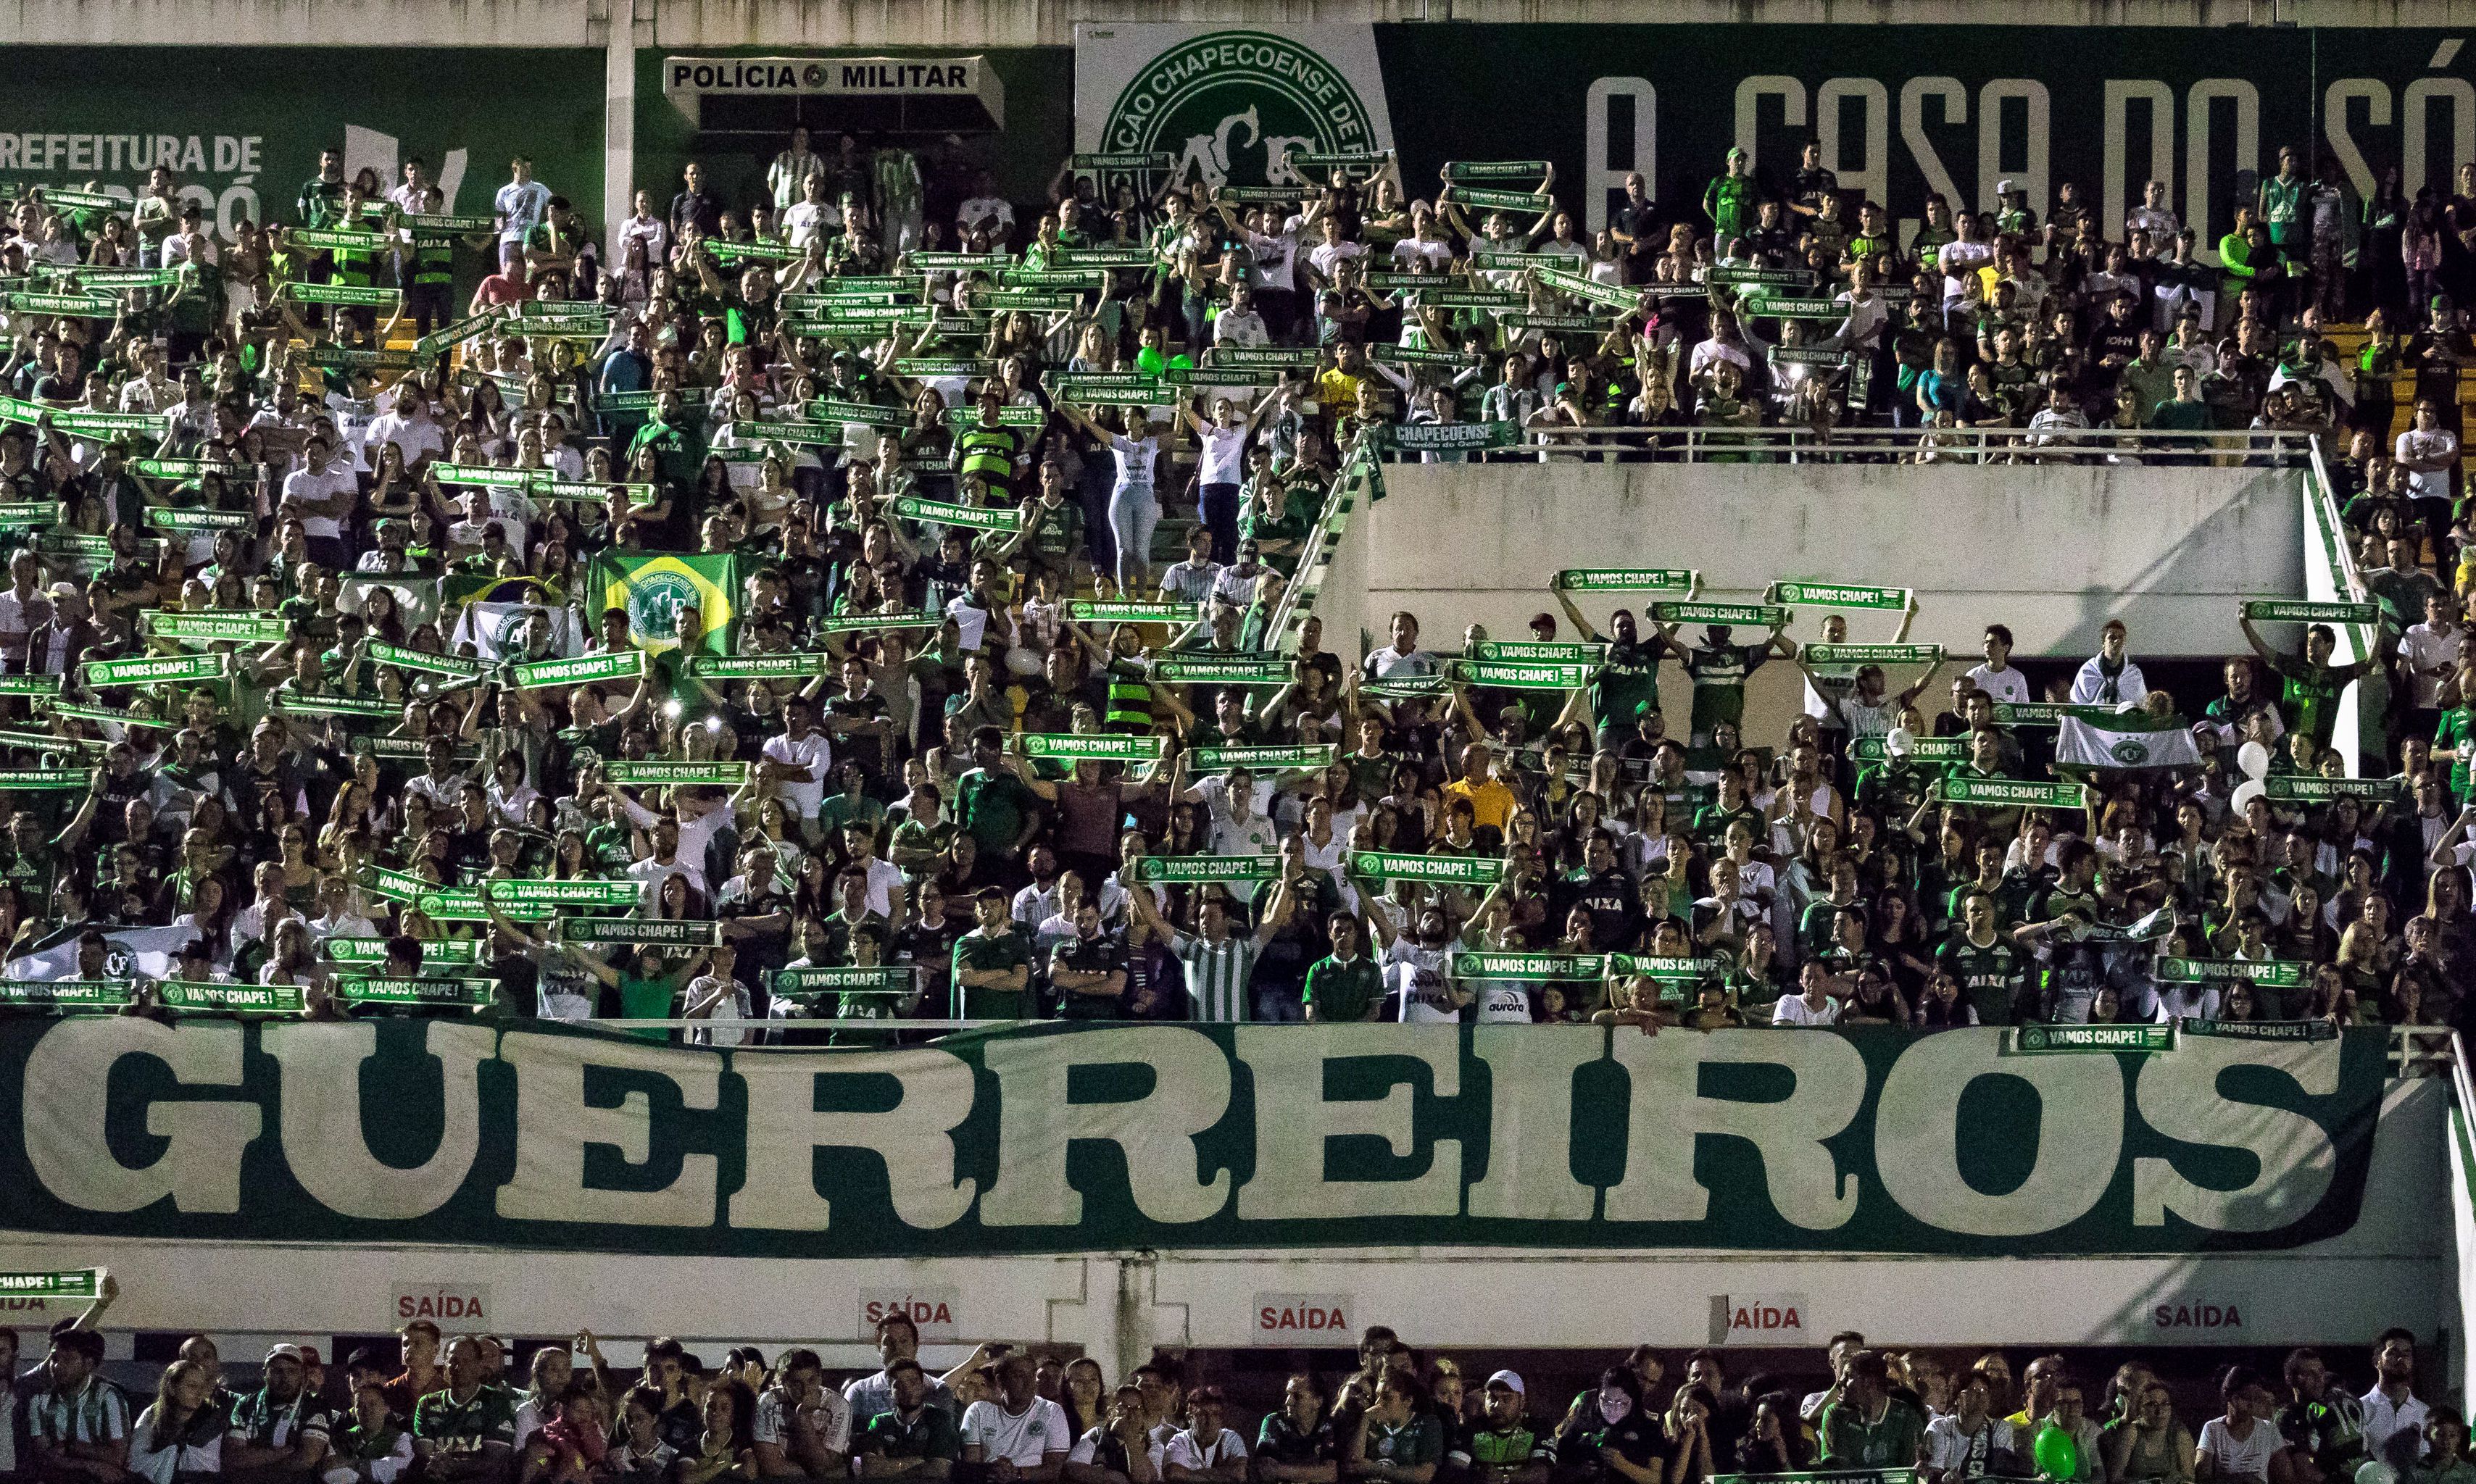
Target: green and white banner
(335,706)
(761,667)
(1625,580)
(1444,437)
(1228,1137)
(580,892)
(1447,870)
(339,293)
(1725,615)
(67,994)
(2095,737)
(395,885)
(1187,870)
(1671,970)
(155,672)
(2031,713)
(29,514)
(942,512)
(875,623)
(232,999)
(1264,758)
(1921,751)
(1213,670)
(212,628)
(2012,793)
(331,239)
(585,669)
(1535,652)
(2042,1040)
(1529,968)
(30,685)
(1091,610)
(2277,973)
(2298,789)
(650,775)
(2261,1031)
(402,658)
(1873,654)
(62,1283)
(426,990)
(1519,675)
(373,951)
(1090,747)
(1838,594)
(662,932)
(850,978)
(165,517)
(2281,610)
(1489,200)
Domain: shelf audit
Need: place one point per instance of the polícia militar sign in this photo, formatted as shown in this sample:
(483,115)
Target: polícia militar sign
(1060,1138)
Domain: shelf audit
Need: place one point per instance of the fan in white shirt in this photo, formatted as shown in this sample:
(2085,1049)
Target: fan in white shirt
(1021,1426)
(2108,677)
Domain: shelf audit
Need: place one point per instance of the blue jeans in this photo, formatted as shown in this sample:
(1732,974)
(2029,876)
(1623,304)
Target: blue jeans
(1133,513)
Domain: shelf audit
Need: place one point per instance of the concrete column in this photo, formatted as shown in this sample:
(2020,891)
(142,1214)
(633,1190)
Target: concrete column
(619,121)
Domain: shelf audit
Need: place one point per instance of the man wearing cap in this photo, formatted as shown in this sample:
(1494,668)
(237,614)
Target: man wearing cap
(1205,1451)
(1729,199)
(1503,1448)
(279,1432)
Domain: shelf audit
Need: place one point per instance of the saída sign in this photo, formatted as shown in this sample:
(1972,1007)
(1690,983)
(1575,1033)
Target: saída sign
(1070,1138)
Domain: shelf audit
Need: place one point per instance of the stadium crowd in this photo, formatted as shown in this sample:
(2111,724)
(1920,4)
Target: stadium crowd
(474,1407)
(326,659)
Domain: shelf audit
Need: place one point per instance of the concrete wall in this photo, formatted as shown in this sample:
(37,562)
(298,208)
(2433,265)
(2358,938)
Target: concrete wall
(2053,552)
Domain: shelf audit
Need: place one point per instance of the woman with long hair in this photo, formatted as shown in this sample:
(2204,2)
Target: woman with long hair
(1085,1395)
(178,1437)
(728,1445)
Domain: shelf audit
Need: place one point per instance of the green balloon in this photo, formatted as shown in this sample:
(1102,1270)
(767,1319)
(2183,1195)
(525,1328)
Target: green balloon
(2058,1456)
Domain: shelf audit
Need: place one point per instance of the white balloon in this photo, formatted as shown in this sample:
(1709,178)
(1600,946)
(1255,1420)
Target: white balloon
(2253,758)
(2376,1472)
(2246,792)
(1899,742)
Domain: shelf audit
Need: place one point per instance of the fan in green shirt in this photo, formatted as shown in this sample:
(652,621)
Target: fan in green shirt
(1866,1427)
(1345,985)
(2311,685)
(1989,968)
(2184,412)
(2455,738)
(993,962)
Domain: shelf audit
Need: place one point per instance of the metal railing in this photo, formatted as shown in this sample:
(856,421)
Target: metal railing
(1358,481)
(1799,444)
(2332,575)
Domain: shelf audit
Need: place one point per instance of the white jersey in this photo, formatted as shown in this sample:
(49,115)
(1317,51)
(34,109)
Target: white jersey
(1022,1438)
(1417,975)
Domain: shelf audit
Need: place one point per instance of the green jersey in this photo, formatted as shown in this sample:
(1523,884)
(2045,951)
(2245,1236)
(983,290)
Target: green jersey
(1890,1441)
(2457,732)
(1343,990)
(1625,680)
(1719,672)
(2310,695)
(981,950)
(1988,976)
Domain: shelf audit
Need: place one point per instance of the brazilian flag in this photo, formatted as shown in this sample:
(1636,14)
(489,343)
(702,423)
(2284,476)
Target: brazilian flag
(654,586)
